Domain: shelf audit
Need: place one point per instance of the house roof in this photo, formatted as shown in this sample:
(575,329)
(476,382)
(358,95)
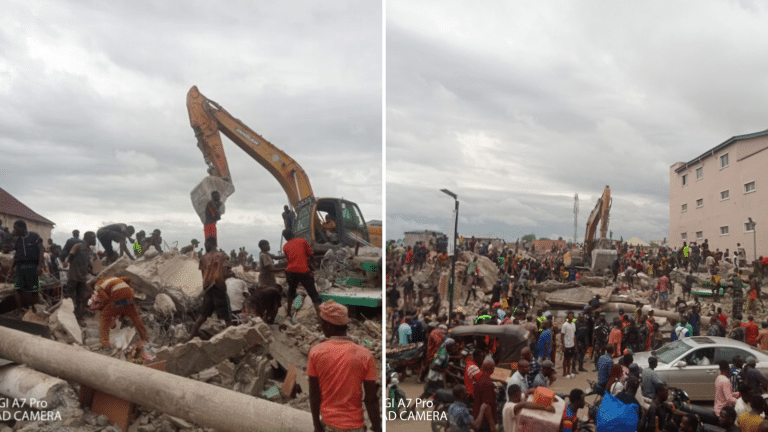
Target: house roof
(13,207)
(719,147)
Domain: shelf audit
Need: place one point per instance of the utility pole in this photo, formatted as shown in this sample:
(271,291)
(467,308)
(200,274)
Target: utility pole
(575,217)
(455,254)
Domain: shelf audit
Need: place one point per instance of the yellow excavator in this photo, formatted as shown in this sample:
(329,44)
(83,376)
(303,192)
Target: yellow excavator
(323,222)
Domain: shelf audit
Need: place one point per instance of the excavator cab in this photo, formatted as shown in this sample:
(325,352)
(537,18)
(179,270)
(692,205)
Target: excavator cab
(329,222)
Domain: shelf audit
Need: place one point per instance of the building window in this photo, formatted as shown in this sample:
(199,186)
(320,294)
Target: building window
(699,173)
(699,235)
(684,236)
(685,179)
(724,195)
(700,202)
(749,187)
(723,230)
(749,227)
(684,208)
(724,160)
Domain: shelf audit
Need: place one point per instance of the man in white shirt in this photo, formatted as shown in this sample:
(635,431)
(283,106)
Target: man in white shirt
(237,290)
(516,403)
(519,377)
(568,339)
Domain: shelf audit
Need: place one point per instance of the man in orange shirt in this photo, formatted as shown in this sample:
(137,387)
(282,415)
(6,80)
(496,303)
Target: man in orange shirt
(299,256)
(751,331)
(216,269)
(337,369)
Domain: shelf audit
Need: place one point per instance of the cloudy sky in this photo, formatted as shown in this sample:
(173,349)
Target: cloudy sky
(517,106)
(94,126)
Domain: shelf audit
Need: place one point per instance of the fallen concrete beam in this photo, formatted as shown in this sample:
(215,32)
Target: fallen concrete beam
(64,325)
(177,396)
(672,316)
(21,382)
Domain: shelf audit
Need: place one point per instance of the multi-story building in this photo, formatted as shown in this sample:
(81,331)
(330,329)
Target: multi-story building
(715,195)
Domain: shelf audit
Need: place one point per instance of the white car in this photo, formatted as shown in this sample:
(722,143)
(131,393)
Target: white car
(691,364)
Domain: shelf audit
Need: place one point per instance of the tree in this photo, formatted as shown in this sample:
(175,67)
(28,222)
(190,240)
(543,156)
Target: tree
(560,238)
(529,237)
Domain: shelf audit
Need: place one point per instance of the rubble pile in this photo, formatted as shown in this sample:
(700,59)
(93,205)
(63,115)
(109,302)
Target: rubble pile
(251,358)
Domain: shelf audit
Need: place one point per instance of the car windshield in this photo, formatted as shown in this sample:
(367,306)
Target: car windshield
(671,351)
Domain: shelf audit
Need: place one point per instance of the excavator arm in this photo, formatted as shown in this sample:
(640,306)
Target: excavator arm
(208,119)
(600,213)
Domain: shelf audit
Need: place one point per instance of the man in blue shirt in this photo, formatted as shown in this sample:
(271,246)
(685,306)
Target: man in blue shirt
(604,364)
(545,341)
(417,331)
(459,416)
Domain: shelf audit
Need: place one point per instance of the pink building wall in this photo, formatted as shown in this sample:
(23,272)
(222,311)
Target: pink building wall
(747,162)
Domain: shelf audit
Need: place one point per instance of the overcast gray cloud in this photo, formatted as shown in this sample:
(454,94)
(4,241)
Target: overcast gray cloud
(517,106)
(94,126)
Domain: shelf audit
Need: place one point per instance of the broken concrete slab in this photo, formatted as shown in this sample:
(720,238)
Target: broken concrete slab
(284,351)
(182,272)
(63,324)
(196,355)
(164,305)
(550,286)
(576,297)
(592,281)
(116,269)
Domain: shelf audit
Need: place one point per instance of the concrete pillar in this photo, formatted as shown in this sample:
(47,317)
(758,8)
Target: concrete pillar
(202,403)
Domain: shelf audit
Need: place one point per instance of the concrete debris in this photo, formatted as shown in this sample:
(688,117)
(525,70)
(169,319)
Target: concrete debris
(164,305)
(63,324)
(196,355)
(22,383)
(592,281)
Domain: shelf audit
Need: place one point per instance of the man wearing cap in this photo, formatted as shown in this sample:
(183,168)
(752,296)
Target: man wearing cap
(339,372)
(754,377)
(190,248)
(547,376)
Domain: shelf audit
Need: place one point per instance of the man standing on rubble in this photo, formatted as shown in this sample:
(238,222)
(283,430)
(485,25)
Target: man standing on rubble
(288,217)
(337,369)
(216,268)
(299,256)
(27,265)
(266,266)
(79,261)
(213,212)
(120,233)
(68,245)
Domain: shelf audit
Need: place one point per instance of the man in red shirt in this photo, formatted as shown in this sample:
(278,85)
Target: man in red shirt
(299,256)
(339,372)
(436,338)
(751,331)
(472,371)
(484,394)
(722,317)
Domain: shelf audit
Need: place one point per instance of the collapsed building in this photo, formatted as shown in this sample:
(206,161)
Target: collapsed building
(227,379)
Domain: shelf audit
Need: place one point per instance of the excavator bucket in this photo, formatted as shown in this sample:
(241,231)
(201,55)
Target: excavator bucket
(201,194)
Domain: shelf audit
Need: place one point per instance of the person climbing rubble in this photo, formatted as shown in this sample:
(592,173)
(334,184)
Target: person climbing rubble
(120,233)
(342,377)
(213,211)
(266,266)
(298,270)
(79,262)
(216,268)
(27,265)
(190,247)
(113,297)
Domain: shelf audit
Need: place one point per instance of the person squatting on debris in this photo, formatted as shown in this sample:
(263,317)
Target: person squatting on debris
(120,233)
(216,268)
(265,303)
(27,265)
(299,256)
(79,261)
(114,297)
(212,215)
(190,247)
(342,375)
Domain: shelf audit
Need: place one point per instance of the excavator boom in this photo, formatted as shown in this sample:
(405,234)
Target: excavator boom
(208,119)
(600,213)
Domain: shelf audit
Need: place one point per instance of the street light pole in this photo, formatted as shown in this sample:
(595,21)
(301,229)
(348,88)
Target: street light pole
(451,281)
(754,239)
